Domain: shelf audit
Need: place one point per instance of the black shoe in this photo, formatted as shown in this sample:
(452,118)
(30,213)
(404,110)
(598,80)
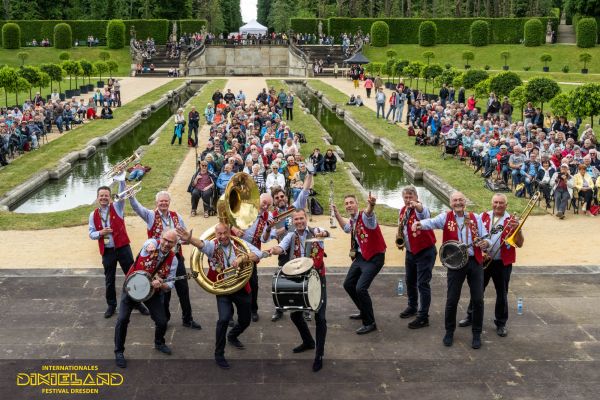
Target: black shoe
(110,311)
(355,316)
(419,323)
(254,317)
(235,342)
(318,363)
(465,322)
(192,324)
(231,323)
(448,339)
(163,348)
(307,315)
(222,362)
(120,360)
(304,347)
(366,329)
(143,309)
(408,312)
(476,344)
(502,331)
(277,315)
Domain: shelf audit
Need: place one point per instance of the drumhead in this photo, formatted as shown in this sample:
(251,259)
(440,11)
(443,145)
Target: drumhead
(314,290)
(297,266)
(138,286)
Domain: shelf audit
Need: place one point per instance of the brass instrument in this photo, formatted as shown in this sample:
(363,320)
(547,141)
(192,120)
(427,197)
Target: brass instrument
(400,234)
(332,223)
(510,240)
(238,206)
(131,191)
(118,168)
(280,217)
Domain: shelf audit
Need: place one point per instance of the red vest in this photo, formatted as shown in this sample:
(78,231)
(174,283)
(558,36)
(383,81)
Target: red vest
(149,262)
(260,226)
(451,232)
(370,241)
(155,232)
(316,252)
(418,240)
(508,253)
(218,261)
(117,224)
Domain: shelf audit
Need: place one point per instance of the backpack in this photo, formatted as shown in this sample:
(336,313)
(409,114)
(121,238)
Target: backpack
(315,207)
(301,137)
(191,142)
(411,131)
(520,190)
(496,186)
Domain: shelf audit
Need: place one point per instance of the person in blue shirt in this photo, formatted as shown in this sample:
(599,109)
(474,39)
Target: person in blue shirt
(529,170)
(489,160)
(224,178)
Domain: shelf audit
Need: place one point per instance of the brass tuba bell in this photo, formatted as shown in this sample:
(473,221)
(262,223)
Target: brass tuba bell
(238,206)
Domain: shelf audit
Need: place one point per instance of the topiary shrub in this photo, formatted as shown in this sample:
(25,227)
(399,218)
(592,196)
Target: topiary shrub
(115,34)
(503,83)
(587,32)
(480,33)
(63,36)
(468,56)
(11,36)
(380,34)
(534,31)
(472,77)
(427,34)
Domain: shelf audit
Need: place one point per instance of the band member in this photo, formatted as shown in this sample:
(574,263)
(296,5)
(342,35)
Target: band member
(465,227)
(503,256)
(367,251)
(293,246)
(419,260)
(158,259)
(156,221)
(281,228)
(254,235)
(107,226)
(223,253)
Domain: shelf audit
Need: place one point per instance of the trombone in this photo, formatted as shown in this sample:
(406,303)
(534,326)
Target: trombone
(510,240)
(118,168)
(131,191)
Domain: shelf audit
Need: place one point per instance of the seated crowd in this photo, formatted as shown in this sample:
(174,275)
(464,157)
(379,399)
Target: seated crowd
(251,137)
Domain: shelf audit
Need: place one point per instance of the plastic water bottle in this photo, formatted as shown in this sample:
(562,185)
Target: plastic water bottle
(400,289)
(520,306)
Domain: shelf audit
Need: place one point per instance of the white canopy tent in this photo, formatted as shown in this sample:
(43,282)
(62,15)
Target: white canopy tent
(253,28)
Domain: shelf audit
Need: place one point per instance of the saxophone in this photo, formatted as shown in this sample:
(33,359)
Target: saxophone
(399,235)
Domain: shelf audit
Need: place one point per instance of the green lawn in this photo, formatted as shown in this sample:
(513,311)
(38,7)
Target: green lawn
(164,159)
(521,56)
(342,183)
(455,172)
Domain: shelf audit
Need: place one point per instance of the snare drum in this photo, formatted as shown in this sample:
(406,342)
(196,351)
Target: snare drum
(297,292)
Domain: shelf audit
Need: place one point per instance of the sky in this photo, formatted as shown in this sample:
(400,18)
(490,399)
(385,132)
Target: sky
(248,10)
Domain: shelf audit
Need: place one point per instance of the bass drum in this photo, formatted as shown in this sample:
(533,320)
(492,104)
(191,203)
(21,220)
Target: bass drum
(297,292)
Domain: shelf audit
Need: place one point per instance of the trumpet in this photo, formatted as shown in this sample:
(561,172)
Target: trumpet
(118,168)
(131,191)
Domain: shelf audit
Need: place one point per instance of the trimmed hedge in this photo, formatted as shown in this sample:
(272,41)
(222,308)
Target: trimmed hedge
(145,28)
(308,25)
(534,32)
(191,25)
(480,33)
(427,34)
(472,77)
(11,36)
(380,34)
(115,34)
(63,36)
(587,32)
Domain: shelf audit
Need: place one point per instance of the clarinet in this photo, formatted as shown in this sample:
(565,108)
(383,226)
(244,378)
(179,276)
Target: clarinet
(399,235)
(332,223)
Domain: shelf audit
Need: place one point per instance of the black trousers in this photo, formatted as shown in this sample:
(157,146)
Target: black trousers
(193,128)
(183,292)
(473,272)
(111,256)
(418,279)
(156,307)
(242,300)
(254,287)
(500,275)
(289,114)
(357,283)
(206,196)
(320,321)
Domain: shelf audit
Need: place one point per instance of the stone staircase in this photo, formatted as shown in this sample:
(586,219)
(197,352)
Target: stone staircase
(161,62)
(317,52)
(566,33)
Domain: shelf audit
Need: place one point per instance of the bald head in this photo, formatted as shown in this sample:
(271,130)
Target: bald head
(168,240)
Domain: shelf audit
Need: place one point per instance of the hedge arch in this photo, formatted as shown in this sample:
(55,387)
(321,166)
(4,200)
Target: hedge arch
(587,32)
(427,34)
(534,32)
(63,36)
(115,34)
(380,34)
(11,36)
(480,33)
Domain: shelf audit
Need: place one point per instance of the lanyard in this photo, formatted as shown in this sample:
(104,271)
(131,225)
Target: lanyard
(226,256)
(167,222)
(104,218)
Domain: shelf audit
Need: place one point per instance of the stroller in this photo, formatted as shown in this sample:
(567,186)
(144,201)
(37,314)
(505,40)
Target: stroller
(450,146)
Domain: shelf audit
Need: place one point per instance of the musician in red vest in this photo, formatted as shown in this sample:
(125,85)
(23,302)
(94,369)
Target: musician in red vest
(419,260)
(502,258)
(294,245)
(107,226)
(158,259)
(367,251)
(157,220)
(224,253)
(467,228)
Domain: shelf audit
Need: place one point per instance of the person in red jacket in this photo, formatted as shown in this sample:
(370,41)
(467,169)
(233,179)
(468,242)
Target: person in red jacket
(502,256)
(367,251)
